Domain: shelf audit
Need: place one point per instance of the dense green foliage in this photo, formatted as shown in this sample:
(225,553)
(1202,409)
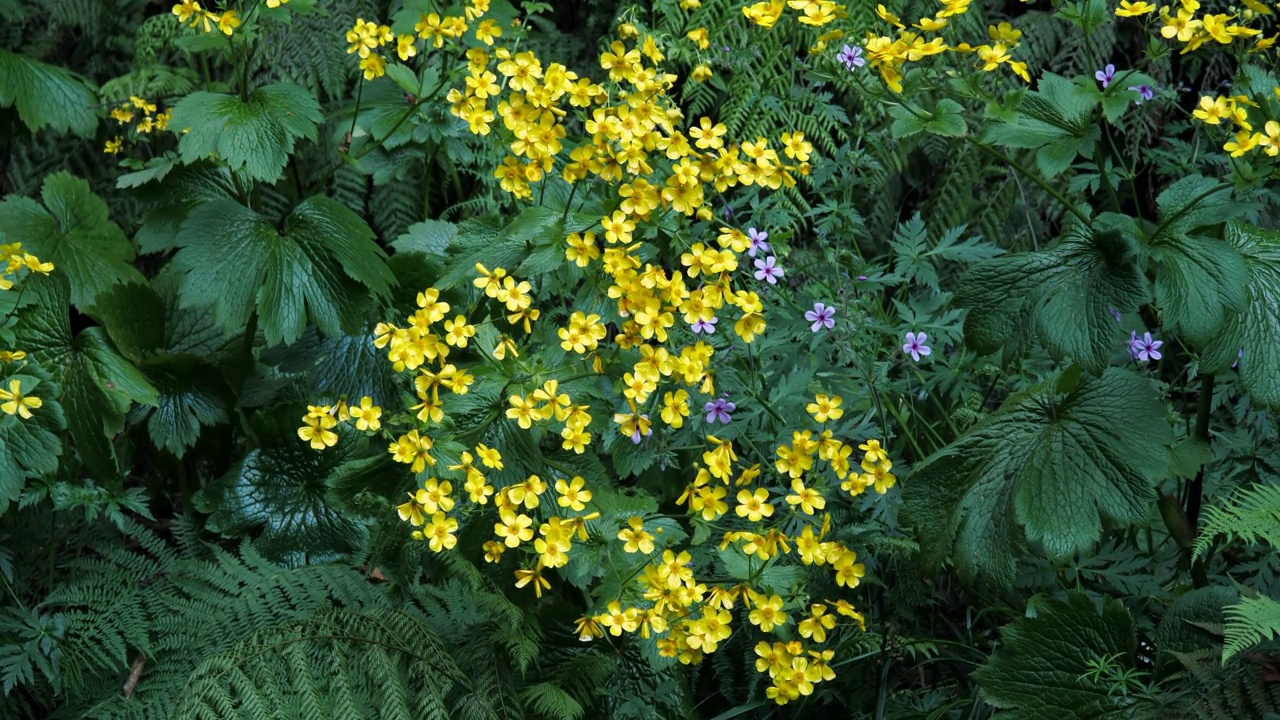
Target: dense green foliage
(1045,229)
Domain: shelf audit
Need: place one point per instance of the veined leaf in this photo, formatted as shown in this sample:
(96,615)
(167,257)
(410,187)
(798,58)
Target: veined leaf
(1053,464)
(73,231)
(1068,292)
(321,269)
(1202,280)
(256,136)
(46,95)
(1053,119)
(1249,336)
(1043,668)
(29,448)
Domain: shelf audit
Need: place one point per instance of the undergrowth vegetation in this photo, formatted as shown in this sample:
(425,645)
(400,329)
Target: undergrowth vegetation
(668,359)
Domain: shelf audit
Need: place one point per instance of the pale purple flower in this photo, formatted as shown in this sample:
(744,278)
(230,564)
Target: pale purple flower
(915,346)
(1145,92)
(1106,75)
(758,244)
(851,56)
(1115,314)
(1143,348)
(706,326)
(821,315)
(1238,356)
(635,436)
(719,410)
(767,269)
(862,277)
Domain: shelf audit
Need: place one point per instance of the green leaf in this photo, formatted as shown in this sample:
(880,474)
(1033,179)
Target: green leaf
(905,123)
(1053,464)
(1250,335)
(191,395)
(280,490)
(98,385)
(404,77)
(948,119)
(321,269)
(46,95)
(1069,292)
(1055,119)
(73,231)
(1042,670)
(256,136)
(29,448)
(429,237)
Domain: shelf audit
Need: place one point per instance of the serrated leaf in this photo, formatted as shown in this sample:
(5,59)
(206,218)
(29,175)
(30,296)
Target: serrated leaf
(429,237)
(1250,336)
(73,231)
(279,490)
(29,448)
(404,77)
(255,137)
(321,269)
(191,395)
(46,95)
(1070,291)
(1042,668)
(1048,466)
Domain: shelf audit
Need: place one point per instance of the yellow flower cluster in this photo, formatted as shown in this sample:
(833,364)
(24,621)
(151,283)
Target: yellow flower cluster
(189,11)
(16,262)
(318,423)
(1194,31)
(124,114)
(1214,110)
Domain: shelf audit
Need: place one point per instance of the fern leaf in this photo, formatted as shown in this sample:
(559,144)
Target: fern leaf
(1249,622)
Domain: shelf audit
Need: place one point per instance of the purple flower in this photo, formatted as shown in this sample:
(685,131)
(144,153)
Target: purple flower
(1238,356)
(851,57)
(719,410)
(635,436)
(862,277)
(1145,92)
(915,346)
(1115,314)
(821,315)
(767,269)
(1143,348)
(758,243)
(1106,75)
(706,326)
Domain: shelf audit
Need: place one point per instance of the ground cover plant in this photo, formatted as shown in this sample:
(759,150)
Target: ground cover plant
(669,359)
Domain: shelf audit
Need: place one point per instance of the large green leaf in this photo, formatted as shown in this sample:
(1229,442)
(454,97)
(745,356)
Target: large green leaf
(321,269)
(1054,120)
(1201,280)
(29,448)
(73,231)
(1042,670)
(1067,294)
(98,385)
(1051,463)
(1250,335)
(46,95)
(281,490)
(256,136)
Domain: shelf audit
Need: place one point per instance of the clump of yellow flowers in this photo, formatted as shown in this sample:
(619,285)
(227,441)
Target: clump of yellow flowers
(147,120)
(16,263)
(626,135)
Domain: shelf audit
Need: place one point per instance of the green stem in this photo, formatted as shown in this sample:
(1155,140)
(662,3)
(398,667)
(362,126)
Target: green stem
(1195,493)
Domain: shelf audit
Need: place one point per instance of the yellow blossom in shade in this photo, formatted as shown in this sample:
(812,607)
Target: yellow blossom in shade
(412,449)
(808,499)
(15,403)
(457,331)
(1270,140)
(276,3)
(493,551)
(573,494)
(675,408)
(113,146)
(874,453)
(186,10)
(1243,142)
(522,411)
(635,537)
(930,24)
(412,512)
(478,491)
(487,31)
(8,356)
(514,528)
(754,506)
(616,620)
(768,613)
(525,577)
(701,73)
(489,457)
(582,248)
(587,629)
(228,22)
(367,415)
(825,408)
(817,624)
(374,66)
(700,37)
(440,532)
(1134,9)
(434,496)
(709,501)
(121,115)
(764,14)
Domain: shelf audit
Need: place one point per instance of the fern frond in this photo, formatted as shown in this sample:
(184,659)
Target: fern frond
(1251,514)
(1249,622)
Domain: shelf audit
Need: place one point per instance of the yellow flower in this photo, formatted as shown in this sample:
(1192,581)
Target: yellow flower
(186,9)
(635,538)
(573,495)
(405,47)
(489,457)
(276,3)
(1243,142)
(809,499)
(768,613)
(15,403)
(228,22)
(487,30)
(366,415)
(817,624)
(373,66)
(440,532)
(825,408)
(764,14)
(113,146)
(701,73)
(1134,9)
(754,506)
(514,528)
